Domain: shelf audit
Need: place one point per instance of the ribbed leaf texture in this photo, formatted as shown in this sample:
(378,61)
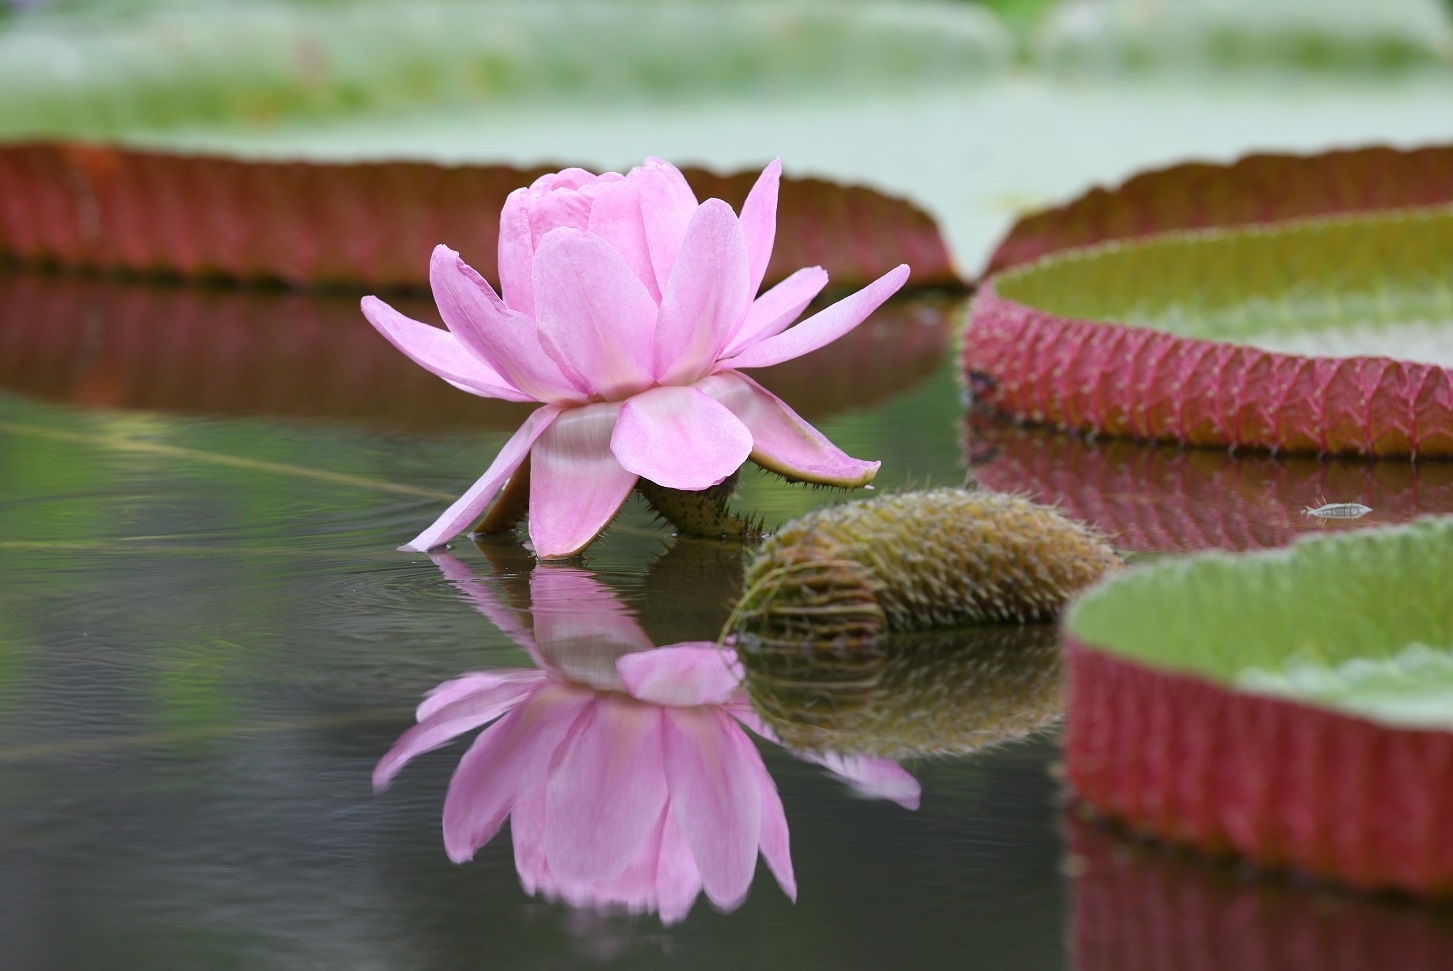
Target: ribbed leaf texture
(1157,497)
(373,223)
(1137,907)
(1167,338)
(1257,189)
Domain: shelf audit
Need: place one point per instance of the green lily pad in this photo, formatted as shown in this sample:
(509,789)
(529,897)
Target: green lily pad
(1359,623)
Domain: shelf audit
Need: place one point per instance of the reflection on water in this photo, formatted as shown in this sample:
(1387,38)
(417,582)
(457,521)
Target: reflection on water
(1150,496)
(102,342)
(1138,907)
(906,695)
(623,768)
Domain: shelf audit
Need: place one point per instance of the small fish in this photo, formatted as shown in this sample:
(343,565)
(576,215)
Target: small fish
(1338,510)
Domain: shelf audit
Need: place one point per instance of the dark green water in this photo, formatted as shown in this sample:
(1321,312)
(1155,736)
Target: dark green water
(207,640)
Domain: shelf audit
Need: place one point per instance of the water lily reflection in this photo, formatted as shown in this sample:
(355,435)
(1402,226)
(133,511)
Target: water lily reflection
(624,768)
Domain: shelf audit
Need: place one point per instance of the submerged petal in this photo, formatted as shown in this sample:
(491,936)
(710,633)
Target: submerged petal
(504,339)
(775,842)
(581,627)
(679,438)
(874,777)
(512,623)
(759,222)
(678,880)
(606,791)
(681,675)
(706,297)
(595,318)
(467,507)
(576,483)
(440,352)
(775,310)
(782,441)
(823,327)
(715,800)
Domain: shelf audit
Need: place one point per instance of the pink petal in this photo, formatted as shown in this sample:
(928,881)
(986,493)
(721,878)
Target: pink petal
(781,441)
(527,831)
(507,762)
(606,791)
(581,627)
(438,351)
(595,318)
(503,339)
(679,438)
(823,327)
(615,216)
(472,684)
(516,254)
(715,800)
(873,777)
(576,484)
(759,222)
(507,619)
(680,675)
(678,880)
(481,701)
(773,311)
(706,297)
(667,205)
(466,508)
(774,839)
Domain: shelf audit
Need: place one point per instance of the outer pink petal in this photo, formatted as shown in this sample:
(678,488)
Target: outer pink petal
(483,703)
(823,327)
(471,684)
(576,484)
(516,254)
(595,318)
(581,627)
(507,619)
(681,675)
(706,298)
(507,761)
(468,507)
(775,842)
(678,880)
(440,352)
(527,831)
(715,799)
(606,791)
(773,311)
(783,442)
(503,339)
(615,216)
(679,438)
(667,205)
(875,777)
(759,222)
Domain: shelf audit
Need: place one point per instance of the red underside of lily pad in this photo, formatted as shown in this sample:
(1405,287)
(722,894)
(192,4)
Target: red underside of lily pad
(1118,380)
(1283,784)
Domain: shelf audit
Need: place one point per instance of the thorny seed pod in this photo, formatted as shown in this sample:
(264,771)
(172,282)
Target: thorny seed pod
(916,561)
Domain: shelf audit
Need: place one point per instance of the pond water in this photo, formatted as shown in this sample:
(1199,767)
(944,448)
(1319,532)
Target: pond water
(208,640)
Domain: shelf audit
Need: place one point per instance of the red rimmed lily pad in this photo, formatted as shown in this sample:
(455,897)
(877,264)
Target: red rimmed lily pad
(1294,707)
(374,223)
(1256,189)
(1311,336)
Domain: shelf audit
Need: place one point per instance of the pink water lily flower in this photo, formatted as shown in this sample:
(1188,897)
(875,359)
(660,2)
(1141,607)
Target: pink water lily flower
(624,768)
(629,311)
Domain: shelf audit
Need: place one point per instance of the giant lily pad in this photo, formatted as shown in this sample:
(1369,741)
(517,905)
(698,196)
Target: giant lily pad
(1291,706)
(374,223)
(1158,497)
(1325,336)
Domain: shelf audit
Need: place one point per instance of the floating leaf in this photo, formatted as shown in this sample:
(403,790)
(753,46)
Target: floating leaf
(1169,337)
(1159,497)
(1172,728)
(909,695)
(374,223)
(1253,190)
(1131,899)
(106,343)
